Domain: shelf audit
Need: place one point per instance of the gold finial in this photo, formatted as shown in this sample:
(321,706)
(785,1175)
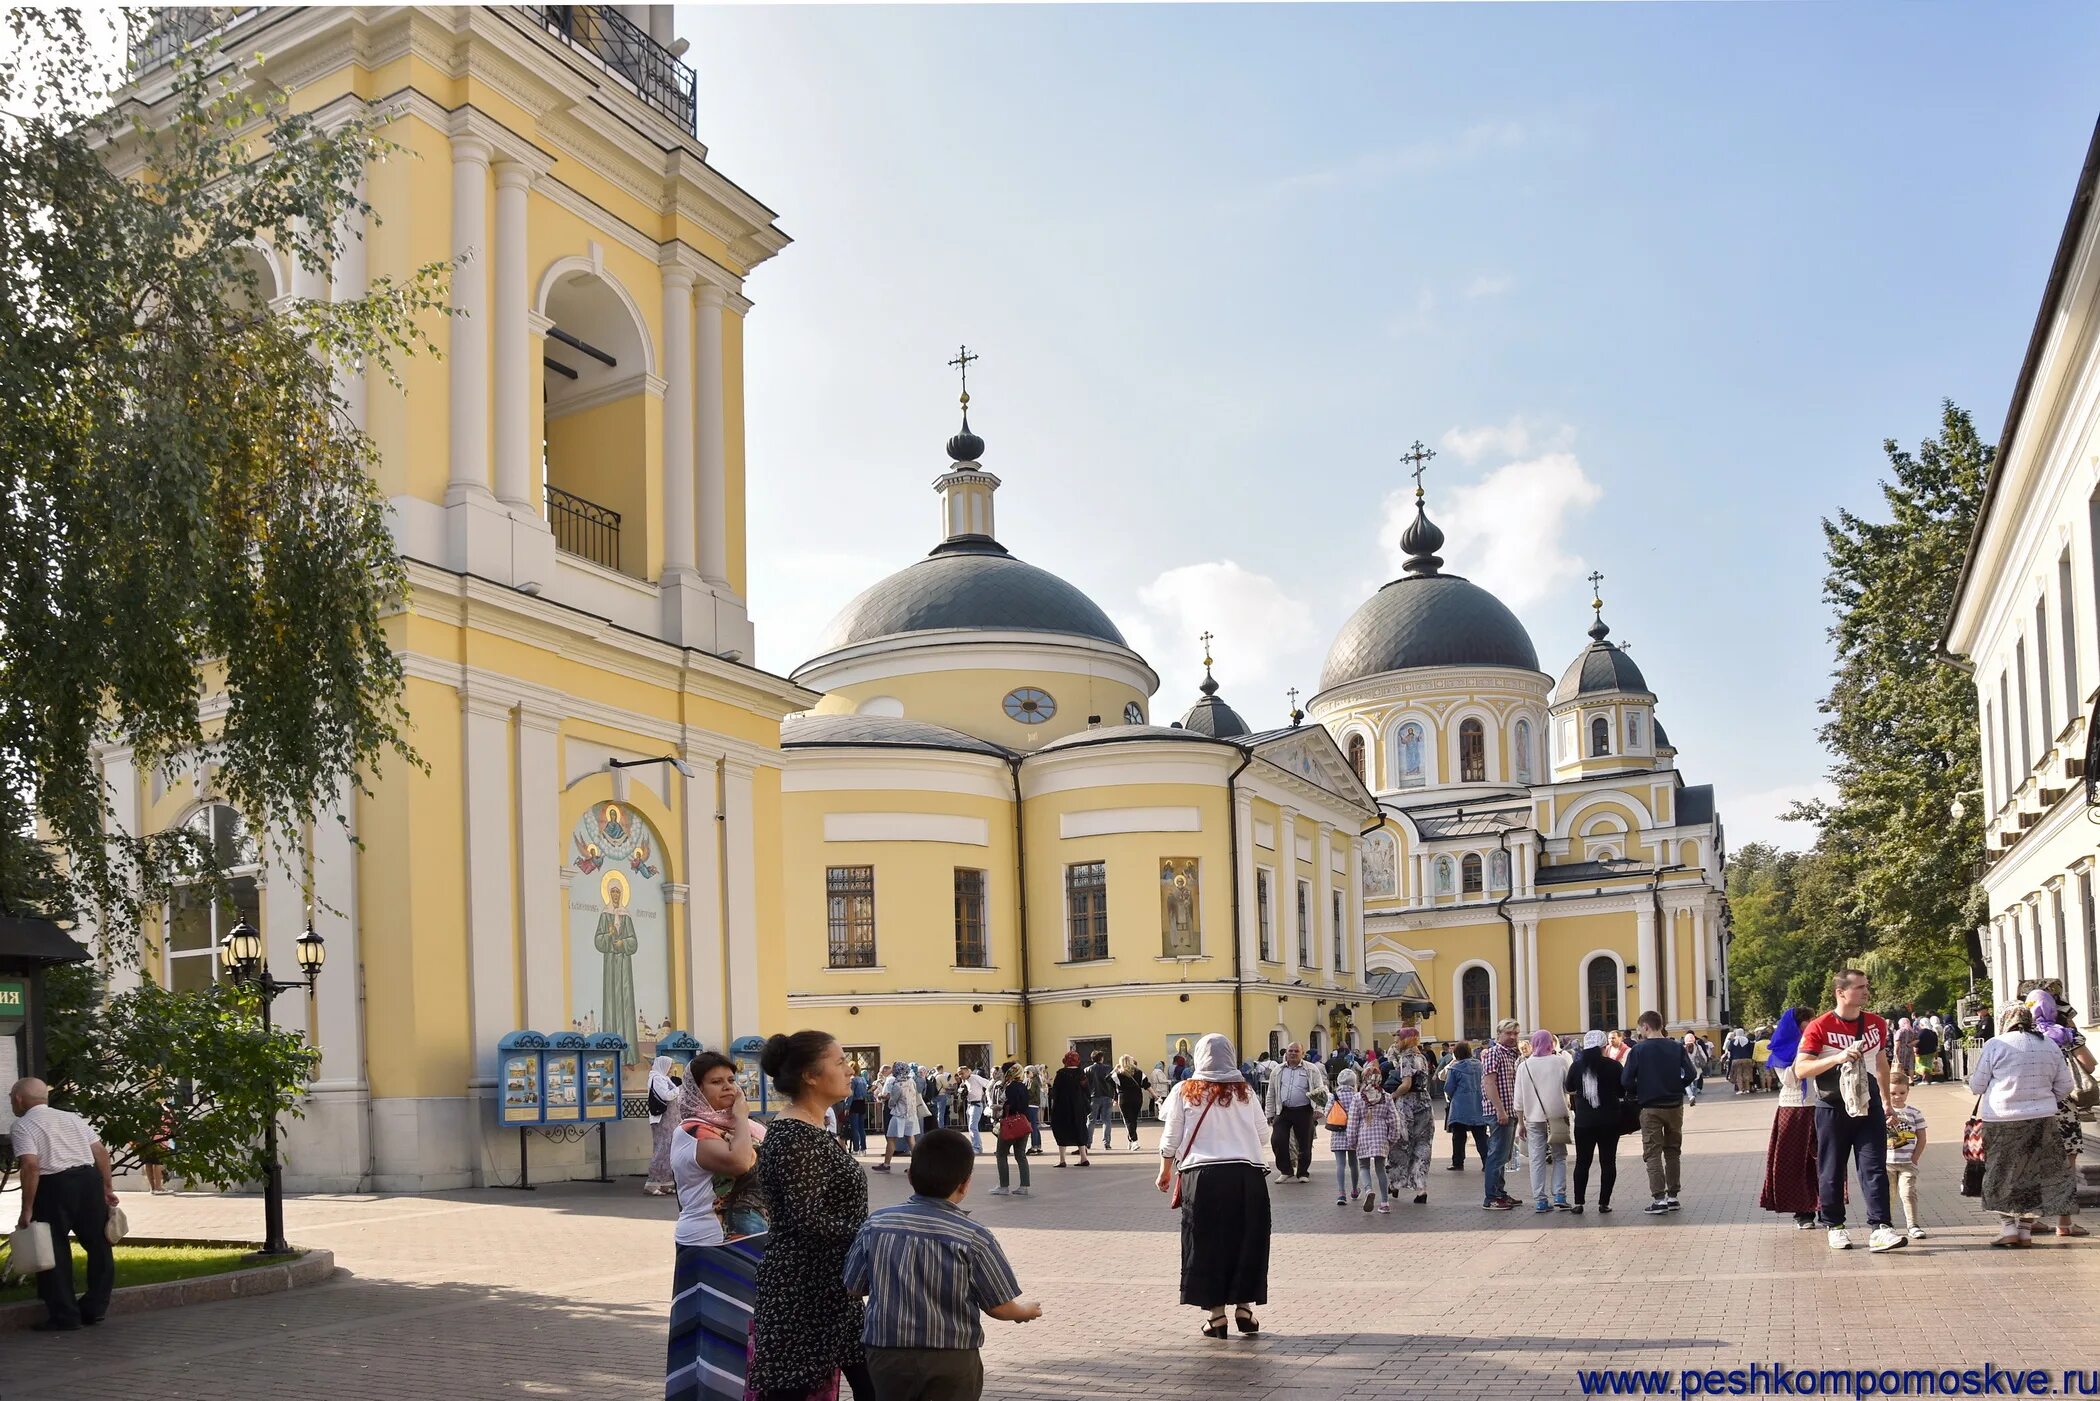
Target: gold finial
(1597,591)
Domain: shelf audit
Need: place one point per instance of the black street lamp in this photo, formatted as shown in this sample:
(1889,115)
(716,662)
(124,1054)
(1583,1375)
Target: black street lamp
(241,952)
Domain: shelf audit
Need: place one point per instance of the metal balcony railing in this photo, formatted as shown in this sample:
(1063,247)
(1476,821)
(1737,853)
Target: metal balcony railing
(614,40)
(169,27)
(584,528)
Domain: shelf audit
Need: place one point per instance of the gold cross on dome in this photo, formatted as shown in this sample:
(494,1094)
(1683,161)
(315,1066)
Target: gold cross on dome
(1596,591)
(1418,456)
(1205,639)
(1293,694)
(962,361)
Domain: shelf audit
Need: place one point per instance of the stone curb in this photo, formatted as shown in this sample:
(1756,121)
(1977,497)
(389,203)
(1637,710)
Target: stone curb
(313,1267)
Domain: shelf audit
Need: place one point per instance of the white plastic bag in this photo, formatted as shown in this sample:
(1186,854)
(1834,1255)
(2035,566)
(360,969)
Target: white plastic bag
(119,1225)
(29,1249)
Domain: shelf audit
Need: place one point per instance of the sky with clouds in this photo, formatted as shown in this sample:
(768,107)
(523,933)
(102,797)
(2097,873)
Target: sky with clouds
(1655,282)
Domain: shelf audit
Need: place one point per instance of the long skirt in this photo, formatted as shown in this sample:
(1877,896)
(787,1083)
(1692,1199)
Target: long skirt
(1410,1157)
(660,1178)
(1790,1163)
(711,1297)
(2026,1171)
(1224,1235)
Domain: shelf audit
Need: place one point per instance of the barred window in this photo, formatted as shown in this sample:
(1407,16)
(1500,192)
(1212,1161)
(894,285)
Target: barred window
(1469,876)
(1265,914)
(1305,929)
(1472,753)
(971,950)
(1086,911)
(1341,952)
(850,916)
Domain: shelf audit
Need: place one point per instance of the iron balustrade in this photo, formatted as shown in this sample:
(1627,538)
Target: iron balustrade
(169,28)
(584,528)
(616,41)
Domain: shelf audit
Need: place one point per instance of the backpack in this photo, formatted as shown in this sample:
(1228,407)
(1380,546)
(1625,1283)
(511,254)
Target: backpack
(1337,1114)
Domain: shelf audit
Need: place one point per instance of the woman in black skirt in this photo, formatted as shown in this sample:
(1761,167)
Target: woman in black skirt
(1212,1141)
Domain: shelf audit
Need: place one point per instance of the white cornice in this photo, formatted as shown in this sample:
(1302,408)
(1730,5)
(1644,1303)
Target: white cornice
(1421,682)
(610,392)
(1002,998)
(966,649)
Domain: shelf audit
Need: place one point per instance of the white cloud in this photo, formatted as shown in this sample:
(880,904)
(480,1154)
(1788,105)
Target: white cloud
(1507,531)
(1490,285)
(1266,640)
(1516,438)
(1760,817)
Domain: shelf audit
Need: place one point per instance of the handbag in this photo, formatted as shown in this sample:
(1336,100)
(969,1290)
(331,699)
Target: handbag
(1972,1152)
(2085,1090)
(1559,1132)
(1175,1200)
(29,1249)
(1014,1127)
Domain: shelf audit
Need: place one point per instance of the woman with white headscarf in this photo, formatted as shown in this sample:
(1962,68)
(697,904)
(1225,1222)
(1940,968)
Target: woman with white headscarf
(1211,1145)
(663,1093)
(1593,1094)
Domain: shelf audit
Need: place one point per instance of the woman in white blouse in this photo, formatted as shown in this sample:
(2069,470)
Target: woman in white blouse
(2018,1080)
(1542,1098)
(1212,1143)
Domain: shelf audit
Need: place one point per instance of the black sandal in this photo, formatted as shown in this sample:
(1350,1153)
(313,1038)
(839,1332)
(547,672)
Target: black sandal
(1215,1328)
(1243,1318)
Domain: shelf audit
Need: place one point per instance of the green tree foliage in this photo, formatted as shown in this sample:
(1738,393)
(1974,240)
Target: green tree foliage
(1895,874)
(194,1069)
(180,481)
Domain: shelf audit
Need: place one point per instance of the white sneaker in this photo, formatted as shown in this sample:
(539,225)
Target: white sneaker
(1840,1238)
(1917,1233)
(1018,1192)
(998,1192)
(1886,1238)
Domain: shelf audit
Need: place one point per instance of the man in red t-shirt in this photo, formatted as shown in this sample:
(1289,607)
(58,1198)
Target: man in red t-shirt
(1850,1040)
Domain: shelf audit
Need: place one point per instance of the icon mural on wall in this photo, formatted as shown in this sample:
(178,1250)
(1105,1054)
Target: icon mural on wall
(619,948)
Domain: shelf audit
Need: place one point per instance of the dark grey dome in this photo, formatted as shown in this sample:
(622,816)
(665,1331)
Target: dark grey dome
(1600,670)
(1211,716)
(1662,737)
(1427,620)
(1117,734)
(974,586)
(877,732)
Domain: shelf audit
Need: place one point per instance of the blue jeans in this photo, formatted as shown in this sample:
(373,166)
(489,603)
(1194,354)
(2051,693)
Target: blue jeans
(940,1112)
(1346,1181)
(1105,1120)
(1866,1141)
(857,1128)
(973,1124)
(1496,1160)
(1035,1128)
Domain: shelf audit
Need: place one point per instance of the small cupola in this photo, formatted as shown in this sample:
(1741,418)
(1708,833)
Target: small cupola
(966,489)
(1210,715)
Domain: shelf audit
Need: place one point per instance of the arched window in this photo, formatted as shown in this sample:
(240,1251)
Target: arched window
(1356,755)
(597,412)
(1601,984)
(1522,744)
(196,922)
(1410,755)
(1314,1045)
(1470,872)
(1498,870)
(1472,753)
(1633,729)
(1443,875)
(1600,737)
(1476,1014)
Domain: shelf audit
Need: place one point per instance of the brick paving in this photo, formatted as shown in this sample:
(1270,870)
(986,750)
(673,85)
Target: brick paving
(563,1292)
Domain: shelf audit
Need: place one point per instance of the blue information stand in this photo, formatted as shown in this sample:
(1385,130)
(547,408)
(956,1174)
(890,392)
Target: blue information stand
(566,1082)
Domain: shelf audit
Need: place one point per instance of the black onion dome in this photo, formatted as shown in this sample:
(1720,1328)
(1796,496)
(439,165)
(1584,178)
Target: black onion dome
(965,446)
(1211,716)
(1662,738)
(1601,669)
(1427,619)
(971,585)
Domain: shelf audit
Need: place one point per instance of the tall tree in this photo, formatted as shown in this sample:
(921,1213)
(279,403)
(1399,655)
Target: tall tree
(1902,724)
(181,484)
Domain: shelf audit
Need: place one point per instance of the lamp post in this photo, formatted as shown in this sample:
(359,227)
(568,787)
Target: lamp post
(241,952)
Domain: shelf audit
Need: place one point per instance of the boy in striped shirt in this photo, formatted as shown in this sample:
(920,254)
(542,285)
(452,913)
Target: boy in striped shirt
(928,1270)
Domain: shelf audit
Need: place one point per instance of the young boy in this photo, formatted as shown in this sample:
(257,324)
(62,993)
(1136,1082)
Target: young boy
(928,1270)
(1906,1147)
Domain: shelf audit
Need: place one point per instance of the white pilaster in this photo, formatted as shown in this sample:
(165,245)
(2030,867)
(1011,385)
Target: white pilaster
(338,1027)
(545,911)
(491,931)
(514,344)
(740,880)
(680,523)
(1645,942)
(1324,933)
(1420,895)
(1672,975)
(1243,877)
(468,355)
(120,777)
(706,967)
(1702,1015)
(1287,892)
(711,447)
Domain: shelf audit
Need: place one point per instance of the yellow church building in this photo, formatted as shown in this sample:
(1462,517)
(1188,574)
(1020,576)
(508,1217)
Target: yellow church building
(960,832)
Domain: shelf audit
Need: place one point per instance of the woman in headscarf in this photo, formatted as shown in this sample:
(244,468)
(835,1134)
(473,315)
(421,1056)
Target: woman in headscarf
(903,1109)
(1790,1154)
(2020,1079)
(2057,1024)
(1212,1141)
(1158,1081)
(663,1093)
(1069,1105)
(1408,1075)
(1592,1086)
(1542,1097)
(1906,1048)
(720,1236)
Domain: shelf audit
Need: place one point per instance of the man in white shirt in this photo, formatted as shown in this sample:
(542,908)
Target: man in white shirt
(1296,1088)
(975,1090)
(66,1184)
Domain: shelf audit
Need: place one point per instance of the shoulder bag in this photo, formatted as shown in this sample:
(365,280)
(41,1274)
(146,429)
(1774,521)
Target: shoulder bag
(1559,1133)
(1972,1152)
(1175,1200)
(2085,1090)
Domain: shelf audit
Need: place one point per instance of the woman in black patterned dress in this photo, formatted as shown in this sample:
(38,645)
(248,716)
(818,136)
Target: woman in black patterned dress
(805,1328)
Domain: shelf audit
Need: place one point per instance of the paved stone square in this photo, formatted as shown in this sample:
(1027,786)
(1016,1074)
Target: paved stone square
(563,1291)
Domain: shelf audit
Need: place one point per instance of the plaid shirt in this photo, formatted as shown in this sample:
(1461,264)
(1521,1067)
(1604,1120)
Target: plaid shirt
(1498,1078)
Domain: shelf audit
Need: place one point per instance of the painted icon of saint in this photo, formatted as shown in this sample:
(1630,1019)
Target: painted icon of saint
(617,941)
